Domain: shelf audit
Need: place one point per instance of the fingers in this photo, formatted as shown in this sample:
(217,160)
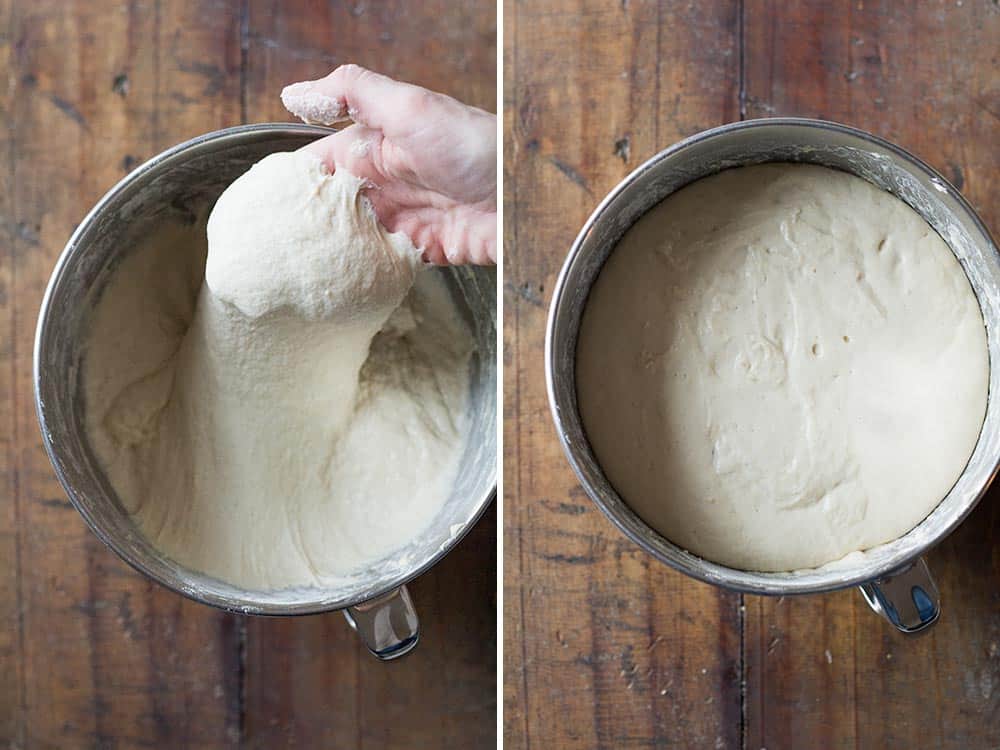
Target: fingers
(355,148)
(458,237)
(355,93)
(447,234)
(409,196)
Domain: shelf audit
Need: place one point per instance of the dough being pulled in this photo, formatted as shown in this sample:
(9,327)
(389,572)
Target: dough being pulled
(780,365)
(305,417)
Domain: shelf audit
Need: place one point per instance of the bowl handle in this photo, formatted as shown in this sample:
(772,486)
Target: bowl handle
(387,624)
(907,598)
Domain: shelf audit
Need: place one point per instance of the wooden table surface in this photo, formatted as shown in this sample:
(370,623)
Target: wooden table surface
(91,653)
(603,646)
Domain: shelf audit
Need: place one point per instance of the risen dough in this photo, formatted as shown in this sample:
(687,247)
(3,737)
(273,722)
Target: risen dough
(780,365)
(261,435)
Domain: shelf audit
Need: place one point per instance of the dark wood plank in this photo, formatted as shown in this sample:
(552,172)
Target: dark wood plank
(55,669)
(445,46)
(824,671)
(106,659)
(11,665)
(603,647)
(309,682)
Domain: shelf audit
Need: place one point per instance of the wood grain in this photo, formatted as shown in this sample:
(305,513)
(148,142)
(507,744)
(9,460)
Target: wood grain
(11,665)
(445,46)
(104,657)
(602,646)
(310,683)
(92,654)
(822,671)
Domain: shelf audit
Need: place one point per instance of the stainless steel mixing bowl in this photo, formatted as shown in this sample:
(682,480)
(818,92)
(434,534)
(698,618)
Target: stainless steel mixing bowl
(179,185)
(893,578)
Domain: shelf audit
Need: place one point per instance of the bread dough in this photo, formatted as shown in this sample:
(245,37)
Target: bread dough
(305,416)
(780,365)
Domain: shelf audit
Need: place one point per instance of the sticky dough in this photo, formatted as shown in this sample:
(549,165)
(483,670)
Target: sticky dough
(300,414)
(780,365)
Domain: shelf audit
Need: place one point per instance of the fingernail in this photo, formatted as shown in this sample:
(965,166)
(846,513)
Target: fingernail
(297,89)
(311,106)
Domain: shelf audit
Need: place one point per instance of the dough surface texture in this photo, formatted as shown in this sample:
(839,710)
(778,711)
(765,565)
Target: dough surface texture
(780,365)
(292,408)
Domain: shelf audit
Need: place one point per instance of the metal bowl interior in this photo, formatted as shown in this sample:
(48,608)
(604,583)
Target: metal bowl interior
(178,185)
(752,142)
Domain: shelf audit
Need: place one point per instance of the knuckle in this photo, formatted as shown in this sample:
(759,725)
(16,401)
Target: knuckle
(419,100)
(348,72)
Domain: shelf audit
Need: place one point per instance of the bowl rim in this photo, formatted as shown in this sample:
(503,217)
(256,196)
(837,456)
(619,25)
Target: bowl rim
(746,581)
(210,598)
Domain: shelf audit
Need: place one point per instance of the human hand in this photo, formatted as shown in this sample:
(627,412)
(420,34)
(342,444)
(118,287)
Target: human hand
(431,160)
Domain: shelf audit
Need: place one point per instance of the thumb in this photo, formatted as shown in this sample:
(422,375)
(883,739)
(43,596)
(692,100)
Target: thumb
(355,148)
(354,93)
